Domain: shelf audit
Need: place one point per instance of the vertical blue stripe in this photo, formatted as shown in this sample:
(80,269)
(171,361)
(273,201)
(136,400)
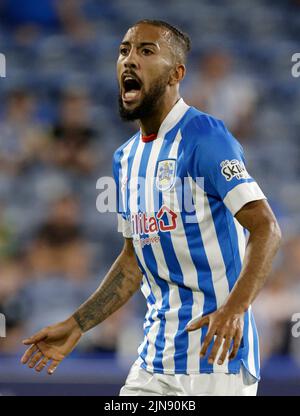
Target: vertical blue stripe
(150,260)
(205,280)
(175,272)
(129,168)
(116,172)
(164,288)
(227,240)
(229,246)
(245,341)
(151,298)
(143,353)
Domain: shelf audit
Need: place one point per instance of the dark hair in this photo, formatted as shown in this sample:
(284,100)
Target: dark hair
(181,40)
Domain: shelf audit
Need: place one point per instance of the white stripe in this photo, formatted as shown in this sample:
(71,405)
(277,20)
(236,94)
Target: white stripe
(157,291)
(211,247)
(146,293)
(124,173)
(160,260)
(133,180)
(133,205)
(251,359)
(250,335)
(190,275)
(124,170)
(124,226)
(158,302)
(145,288)
(241,238)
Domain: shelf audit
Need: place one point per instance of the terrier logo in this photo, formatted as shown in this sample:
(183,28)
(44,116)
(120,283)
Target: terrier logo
(166,174)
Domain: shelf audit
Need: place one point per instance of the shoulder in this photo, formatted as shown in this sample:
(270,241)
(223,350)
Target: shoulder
(205,131)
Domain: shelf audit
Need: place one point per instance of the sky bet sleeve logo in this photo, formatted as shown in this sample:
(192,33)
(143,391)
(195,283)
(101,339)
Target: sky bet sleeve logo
(234,169)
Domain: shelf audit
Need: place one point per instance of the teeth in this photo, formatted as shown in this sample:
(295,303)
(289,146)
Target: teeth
(128,79)
(131,94)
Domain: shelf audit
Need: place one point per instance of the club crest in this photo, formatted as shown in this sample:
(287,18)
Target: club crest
(165,174)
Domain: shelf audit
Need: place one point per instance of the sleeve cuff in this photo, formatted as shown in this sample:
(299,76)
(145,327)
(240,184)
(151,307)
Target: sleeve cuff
(124,227)
(241,195)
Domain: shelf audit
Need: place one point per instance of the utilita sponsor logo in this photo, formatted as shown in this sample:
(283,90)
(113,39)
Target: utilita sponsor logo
(164,220)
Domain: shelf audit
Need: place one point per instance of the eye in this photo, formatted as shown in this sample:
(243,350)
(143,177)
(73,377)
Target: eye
(123,51)
(147,51)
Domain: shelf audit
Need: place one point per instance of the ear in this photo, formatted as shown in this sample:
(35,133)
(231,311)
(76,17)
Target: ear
(177,74)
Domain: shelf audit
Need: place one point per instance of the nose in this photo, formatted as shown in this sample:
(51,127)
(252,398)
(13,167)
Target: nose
(131,60)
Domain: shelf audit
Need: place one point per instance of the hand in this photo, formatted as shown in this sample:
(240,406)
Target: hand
(224,325)
(54,343)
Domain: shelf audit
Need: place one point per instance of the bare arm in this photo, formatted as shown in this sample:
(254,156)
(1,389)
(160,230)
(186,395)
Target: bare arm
(52,344)
(120,283)
(263,244)
(227,322)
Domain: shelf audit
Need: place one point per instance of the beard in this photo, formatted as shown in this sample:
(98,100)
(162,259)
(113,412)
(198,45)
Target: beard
(149,103)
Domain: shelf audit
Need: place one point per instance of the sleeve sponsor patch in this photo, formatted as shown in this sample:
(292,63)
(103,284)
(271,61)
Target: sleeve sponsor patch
(233,169)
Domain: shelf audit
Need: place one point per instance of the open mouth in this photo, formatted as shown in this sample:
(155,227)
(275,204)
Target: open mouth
(131,88)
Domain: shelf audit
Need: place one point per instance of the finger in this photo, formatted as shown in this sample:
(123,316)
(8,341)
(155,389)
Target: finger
(236,345)
(53,366)
(225,349)
(39,336)
(197,324)
(207,340)
(42,364)
(217,343)
(28,353)
(36,358)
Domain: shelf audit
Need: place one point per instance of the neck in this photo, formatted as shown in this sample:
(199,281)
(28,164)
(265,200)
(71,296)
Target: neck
(151,125)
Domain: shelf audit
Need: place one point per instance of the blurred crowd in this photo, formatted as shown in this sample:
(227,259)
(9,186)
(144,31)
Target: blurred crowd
(59,126)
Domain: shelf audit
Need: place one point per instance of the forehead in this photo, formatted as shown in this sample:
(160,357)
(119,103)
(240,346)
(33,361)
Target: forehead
(148,33)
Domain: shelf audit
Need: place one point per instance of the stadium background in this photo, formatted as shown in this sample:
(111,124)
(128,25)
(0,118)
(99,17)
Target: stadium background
(59,126)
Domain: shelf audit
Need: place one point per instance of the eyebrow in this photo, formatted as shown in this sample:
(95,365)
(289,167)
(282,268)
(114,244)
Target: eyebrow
(126,43)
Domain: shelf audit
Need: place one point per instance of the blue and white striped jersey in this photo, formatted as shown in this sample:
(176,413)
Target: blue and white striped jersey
(190,254)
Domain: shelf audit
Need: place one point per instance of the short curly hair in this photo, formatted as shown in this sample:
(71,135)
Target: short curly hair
(181,41)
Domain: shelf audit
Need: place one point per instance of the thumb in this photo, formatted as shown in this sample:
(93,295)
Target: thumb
(197,323)
(39,336)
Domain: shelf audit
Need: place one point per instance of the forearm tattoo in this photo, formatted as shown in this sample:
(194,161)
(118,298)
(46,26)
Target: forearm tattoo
(117,287)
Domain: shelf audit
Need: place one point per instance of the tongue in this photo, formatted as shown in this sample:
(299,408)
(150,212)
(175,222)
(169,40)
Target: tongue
(131,94)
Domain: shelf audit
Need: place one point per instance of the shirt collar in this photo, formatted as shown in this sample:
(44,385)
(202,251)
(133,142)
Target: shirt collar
(173,117)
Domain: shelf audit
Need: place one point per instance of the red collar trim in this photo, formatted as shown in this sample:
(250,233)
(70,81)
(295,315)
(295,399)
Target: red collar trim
(149,138)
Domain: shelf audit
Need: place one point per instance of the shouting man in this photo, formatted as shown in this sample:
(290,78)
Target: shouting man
(197,273)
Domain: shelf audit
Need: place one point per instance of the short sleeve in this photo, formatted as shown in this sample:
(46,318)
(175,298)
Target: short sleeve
(219,158)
